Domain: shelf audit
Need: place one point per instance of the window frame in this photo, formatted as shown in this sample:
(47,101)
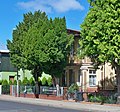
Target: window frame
(92,78)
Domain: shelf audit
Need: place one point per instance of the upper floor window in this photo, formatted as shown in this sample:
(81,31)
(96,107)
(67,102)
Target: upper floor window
(92,77)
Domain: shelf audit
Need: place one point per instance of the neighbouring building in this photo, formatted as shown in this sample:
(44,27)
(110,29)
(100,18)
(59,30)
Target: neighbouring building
(82,71)
(8,71)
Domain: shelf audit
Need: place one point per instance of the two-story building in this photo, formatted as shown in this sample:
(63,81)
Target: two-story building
(82,71)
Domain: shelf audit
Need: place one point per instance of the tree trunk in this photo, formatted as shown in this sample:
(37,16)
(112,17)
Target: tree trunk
(54,80)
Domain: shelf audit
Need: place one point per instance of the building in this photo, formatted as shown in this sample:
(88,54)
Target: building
(80,71)
(7,70)
(83,72)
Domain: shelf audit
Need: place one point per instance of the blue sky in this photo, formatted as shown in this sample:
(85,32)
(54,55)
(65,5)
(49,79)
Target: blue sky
(11,12)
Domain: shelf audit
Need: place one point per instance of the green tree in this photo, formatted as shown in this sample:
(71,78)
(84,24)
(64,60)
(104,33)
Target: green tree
(10,82)
(25,81)
(100,34)
(32,81)
(15,82)
(4,82)
(39,42)
(58,47)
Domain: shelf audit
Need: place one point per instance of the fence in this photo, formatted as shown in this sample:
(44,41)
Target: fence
(31,90)
(5,89)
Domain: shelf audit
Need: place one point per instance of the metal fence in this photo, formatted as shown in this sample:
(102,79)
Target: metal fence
(27,89)
(5,89)
(48,90)
(31,90)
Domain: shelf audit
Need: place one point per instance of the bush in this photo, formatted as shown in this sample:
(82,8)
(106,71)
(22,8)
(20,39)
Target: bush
(10,82)
(0,82)
(31,81)
(73,88)
(44,81)
(49,81)
(101,98)
(15,82)
(25,81)
(5,82)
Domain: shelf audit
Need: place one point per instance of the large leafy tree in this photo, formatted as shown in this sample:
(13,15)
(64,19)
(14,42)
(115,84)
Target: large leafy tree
(100,34)
(58,48)
(39,44)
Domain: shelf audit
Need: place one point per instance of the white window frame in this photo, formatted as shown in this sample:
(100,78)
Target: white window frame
(92,80)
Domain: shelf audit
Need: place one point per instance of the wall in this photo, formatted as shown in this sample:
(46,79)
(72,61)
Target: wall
(5,75)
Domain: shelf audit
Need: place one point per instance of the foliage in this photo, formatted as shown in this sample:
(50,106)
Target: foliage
(40,44)
(15,82)
(25,81)
(0,82)
(100,34)
(49,81)
(4,82)
(32,81)
(73,88)
(10,82)
(102,98)
(43,81)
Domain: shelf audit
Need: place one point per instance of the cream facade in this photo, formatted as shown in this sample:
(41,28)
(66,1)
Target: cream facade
(83,72)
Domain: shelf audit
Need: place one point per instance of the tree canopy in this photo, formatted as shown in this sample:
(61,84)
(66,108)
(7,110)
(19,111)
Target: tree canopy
(39,44)
(100,33)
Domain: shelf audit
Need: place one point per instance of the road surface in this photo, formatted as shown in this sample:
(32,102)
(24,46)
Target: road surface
(8,106)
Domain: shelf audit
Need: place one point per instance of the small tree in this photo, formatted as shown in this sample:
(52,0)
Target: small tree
(10,82)
(32,81)
(44,81)
(25,81)
(4,82)
(49,81)
(15,82)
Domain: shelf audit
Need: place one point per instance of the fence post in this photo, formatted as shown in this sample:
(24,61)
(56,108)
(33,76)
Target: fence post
(57,86)
(61,91)
(0,89)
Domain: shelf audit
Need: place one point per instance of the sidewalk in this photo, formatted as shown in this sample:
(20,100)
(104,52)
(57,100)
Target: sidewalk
(63,104)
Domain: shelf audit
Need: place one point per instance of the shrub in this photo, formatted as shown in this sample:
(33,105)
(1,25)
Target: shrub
(31,81)
(5,82)
(10,82)
(25,81)
(49,81)
(73,88)
(15,82)
(0,82)
(43,81)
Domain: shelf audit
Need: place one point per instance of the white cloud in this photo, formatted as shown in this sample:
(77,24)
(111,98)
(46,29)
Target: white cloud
(52,5)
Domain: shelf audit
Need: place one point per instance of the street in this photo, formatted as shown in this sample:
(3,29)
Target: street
(8,106)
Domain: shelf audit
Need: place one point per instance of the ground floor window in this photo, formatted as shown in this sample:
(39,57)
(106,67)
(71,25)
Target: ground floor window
(71,77)
(92,77)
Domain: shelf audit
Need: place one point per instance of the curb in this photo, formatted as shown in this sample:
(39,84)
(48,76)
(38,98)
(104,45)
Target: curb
(63,104)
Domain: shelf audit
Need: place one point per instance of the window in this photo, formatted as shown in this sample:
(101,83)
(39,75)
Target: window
(92,77)
(71,77)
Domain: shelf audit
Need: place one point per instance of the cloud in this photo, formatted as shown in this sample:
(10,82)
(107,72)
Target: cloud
(52,5)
